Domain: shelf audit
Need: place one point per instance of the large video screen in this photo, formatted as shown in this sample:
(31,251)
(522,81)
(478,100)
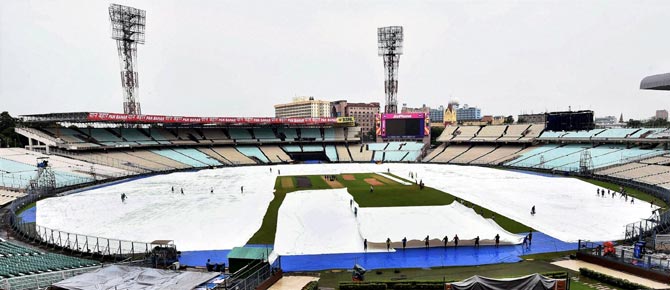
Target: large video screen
(570,121)
(404,127)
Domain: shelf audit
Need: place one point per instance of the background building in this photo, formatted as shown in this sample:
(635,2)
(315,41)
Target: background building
(364,115)
(449,117)
(467,113)
(493,120)
(606,121)
(422,109)
(662,114)
(303,107)
(437,115)
(540,118)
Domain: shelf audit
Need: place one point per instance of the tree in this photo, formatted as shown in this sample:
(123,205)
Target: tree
(7,135)
(434,133)
(509,120)
(633,123)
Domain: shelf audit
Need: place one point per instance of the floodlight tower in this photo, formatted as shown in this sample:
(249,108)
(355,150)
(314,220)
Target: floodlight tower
(128,31)
(390,48)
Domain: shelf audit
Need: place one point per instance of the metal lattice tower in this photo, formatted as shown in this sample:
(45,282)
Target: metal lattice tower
(128,30)
(45,180)
(585,162)
(389,47)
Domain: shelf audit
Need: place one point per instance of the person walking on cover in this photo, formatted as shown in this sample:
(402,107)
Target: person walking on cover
(123,198)
(477,242)
(242,189)
(388,244)
(532,210)
(445,240)
(427,243)
(172,189)
(497,240)
(404,242)
(456,239)
(365,245)
(182,191)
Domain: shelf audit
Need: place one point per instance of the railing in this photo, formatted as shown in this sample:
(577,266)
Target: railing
(625,255)
(18,183)
(72,243)
(41,281)
(657,223)
(249,277)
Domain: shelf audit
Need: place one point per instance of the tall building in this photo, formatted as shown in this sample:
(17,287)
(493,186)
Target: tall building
(662,114)
(303,107)
(437,115)
(467,113)
(363,113)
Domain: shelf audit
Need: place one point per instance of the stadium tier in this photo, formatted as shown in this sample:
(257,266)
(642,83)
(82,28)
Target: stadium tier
(343,153)
(180,157)
(90,153)
(331,152)
(18,261)
(449,153)
(310,134)
(232,155)
(253,152)
(395,151)
(514,132)
(492,133)
(473,154)
(360,153)
(275,154)
(90,138)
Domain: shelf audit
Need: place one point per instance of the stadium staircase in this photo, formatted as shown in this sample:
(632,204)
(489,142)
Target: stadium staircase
(657,224)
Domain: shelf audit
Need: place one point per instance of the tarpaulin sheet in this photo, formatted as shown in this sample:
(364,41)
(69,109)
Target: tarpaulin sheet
(135,278)
(530,282)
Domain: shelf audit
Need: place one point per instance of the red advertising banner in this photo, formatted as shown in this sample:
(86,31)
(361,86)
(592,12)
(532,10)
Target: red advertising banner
(115,117)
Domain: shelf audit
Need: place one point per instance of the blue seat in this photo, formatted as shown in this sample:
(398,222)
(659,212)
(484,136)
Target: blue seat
(253,151)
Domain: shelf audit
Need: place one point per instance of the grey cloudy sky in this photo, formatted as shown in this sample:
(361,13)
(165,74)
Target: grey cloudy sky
(238,58)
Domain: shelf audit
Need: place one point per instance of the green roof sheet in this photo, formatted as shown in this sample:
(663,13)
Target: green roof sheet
(249,253)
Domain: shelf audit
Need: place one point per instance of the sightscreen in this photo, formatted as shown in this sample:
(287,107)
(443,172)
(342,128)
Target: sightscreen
(404,127)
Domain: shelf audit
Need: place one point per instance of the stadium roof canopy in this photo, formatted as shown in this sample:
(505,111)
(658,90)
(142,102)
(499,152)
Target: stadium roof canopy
(656,82)
(98,117)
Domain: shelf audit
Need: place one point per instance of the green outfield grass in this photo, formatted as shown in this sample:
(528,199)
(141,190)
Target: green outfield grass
(392,193)
(389,194)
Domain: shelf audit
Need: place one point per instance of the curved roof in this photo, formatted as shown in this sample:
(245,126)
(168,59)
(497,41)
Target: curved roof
(656,82)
